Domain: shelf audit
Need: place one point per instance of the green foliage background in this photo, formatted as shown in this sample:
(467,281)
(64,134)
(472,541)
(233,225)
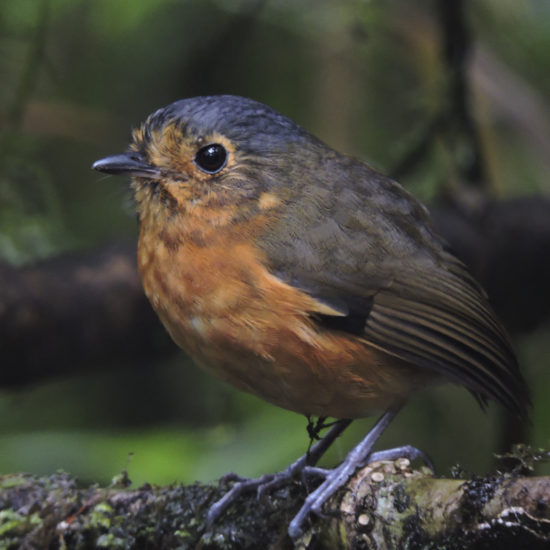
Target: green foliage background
(365,76)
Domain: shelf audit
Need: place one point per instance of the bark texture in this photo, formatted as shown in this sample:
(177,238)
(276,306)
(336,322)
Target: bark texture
(386,505)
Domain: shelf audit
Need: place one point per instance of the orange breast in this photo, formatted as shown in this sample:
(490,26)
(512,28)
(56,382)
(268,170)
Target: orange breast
(213,293)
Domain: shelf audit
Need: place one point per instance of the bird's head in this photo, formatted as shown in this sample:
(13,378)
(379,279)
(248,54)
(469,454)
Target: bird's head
(216,150)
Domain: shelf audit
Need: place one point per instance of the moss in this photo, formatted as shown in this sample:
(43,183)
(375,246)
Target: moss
(110,541)
(13,522)
(54,513)
(522,459)
(100,516)
(8,482)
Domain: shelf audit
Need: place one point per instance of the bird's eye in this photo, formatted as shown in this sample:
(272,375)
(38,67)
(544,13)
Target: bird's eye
(211,158)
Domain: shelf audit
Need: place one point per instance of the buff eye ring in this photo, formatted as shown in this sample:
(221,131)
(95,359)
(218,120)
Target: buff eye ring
(211,158)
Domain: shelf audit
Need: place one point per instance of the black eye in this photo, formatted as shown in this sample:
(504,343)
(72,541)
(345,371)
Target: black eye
(211,158)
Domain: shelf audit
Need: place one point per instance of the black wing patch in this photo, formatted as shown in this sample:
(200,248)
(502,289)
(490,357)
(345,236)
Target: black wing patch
(354,321)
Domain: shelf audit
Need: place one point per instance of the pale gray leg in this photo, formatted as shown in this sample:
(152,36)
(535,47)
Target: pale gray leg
(340,475)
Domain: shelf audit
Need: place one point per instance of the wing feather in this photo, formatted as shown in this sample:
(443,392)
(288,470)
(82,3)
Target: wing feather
(462,352)
(361,244)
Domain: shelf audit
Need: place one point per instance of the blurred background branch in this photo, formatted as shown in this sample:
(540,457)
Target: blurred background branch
(455,121)
(31,67)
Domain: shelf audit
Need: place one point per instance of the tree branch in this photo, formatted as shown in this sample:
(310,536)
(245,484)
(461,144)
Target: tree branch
(386,505)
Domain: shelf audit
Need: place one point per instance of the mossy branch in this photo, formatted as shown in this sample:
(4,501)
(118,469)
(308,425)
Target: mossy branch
(386,505)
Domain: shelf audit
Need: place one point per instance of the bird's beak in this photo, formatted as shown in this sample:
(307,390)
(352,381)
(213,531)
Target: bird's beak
(126,163)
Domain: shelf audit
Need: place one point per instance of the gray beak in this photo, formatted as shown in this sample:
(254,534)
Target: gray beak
(126,163)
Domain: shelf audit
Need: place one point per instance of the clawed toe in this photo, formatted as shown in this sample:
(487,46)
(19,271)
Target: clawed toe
(313,471)
(262,485)
(276,481)
(230,477)
(406,451)
(242,486)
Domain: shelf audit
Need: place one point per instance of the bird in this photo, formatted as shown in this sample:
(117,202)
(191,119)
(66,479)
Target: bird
(303,276)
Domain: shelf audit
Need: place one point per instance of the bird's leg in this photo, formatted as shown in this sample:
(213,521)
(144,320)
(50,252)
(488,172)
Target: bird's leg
(314,429)
(272,481)
(339,476)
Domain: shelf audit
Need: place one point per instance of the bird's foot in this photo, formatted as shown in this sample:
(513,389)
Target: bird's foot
(305,466)
(270,482)
(262,485)
(336,478)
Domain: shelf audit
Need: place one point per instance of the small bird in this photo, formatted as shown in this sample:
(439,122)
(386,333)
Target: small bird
(303,276)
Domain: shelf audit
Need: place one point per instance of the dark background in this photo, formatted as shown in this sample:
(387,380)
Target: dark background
(451,97)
